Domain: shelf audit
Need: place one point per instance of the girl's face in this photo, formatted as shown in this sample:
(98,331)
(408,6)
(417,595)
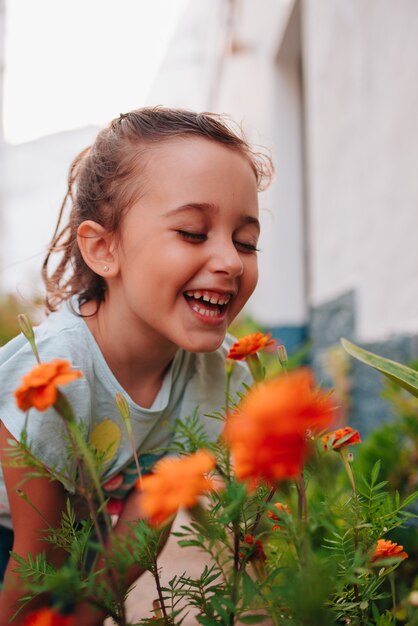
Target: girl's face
(186,258)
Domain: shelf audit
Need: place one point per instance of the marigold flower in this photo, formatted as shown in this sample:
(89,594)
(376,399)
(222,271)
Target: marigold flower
(39,387)
(386,549)
(267,432)
(175,483)
(257,551)
(342,437)
(280,508)
(250,344)
(48,617)
(278,517)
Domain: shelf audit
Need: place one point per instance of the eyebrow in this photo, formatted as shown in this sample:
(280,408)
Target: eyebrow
(205,207)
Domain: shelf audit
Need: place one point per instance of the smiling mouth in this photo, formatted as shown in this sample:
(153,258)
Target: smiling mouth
(207,303)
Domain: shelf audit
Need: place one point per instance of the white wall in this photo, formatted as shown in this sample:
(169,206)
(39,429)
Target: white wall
(232,67)
(361,68)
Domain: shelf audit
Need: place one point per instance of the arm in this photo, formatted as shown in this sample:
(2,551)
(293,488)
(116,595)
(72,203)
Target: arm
(49,498)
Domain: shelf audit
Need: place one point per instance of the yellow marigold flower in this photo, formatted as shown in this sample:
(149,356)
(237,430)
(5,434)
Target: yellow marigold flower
(267,432)
(39,387)
(249,345)
(175,483)
(342,437)
(386,549)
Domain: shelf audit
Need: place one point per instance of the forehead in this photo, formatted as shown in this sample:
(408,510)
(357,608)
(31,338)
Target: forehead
(196,169)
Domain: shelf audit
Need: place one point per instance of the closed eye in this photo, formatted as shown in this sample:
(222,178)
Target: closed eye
(193,237)
(245,247)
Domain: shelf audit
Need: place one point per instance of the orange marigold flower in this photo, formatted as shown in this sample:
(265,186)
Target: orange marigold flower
(175,483)
(280,508)
(249,345)
(386,549)
(267,432)
(342,437)
(48,617)
(39,387)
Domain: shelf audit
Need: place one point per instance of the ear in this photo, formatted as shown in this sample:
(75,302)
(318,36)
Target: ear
(98,249)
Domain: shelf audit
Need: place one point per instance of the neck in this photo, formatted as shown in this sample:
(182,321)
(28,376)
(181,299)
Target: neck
(138,358)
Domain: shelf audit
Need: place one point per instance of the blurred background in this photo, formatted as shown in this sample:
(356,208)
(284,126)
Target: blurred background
(330,88)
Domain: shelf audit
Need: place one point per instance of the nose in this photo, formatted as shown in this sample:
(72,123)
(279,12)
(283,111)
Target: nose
(226,259)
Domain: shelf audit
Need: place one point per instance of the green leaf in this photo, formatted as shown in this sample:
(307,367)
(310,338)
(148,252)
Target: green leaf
(410,498)
(375,472)
(187,543)
(404,376)
(249,588)
(252,619)
(207,621)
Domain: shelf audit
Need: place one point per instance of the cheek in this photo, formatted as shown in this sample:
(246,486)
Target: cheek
(251,275)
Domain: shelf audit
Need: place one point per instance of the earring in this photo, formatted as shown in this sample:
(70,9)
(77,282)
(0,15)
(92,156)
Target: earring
(106,268)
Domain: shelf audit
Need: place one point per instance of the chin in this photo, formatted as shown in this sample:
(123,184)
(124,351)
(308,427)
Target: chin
(208,345)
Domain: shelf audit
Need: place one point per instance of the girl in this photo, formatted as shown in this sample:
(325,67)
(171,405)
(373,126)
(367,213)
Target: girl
(158,257)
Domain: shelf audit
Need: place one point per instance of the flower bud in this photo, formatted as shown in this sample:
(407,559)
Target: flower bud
(282,356)
(123,407)
(27,330)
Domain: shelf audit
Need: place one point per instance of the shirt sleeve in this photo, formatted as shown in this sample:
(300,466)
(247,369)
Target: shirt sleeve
(46,431)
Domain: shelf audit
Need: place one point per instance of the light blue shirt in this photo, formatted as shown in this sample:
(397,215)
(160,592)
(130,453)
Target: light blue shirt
(194,380)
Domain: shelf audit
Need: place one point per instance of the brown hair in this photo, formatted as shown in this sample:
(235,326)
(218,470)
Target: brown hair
(99,190)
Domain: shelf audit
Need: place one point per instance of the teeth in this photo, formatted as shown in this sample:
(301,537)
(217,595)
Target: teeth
(197,295)
(204,312)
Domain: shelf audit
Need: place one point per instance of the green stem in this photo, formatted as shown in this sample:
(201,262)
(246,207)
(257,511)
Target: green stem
(261,510)
(230,366)
(229,369)
(79,445)
(156,575)
(236,573)
(123,409)
(302,501)
(82,446)
(393,592)
(345,457)
(303,518)
(345,454)
(134,450)
(256,368)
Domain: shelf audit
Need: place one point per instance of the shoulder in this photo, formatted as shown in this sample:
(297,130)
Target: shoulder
(59,336)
